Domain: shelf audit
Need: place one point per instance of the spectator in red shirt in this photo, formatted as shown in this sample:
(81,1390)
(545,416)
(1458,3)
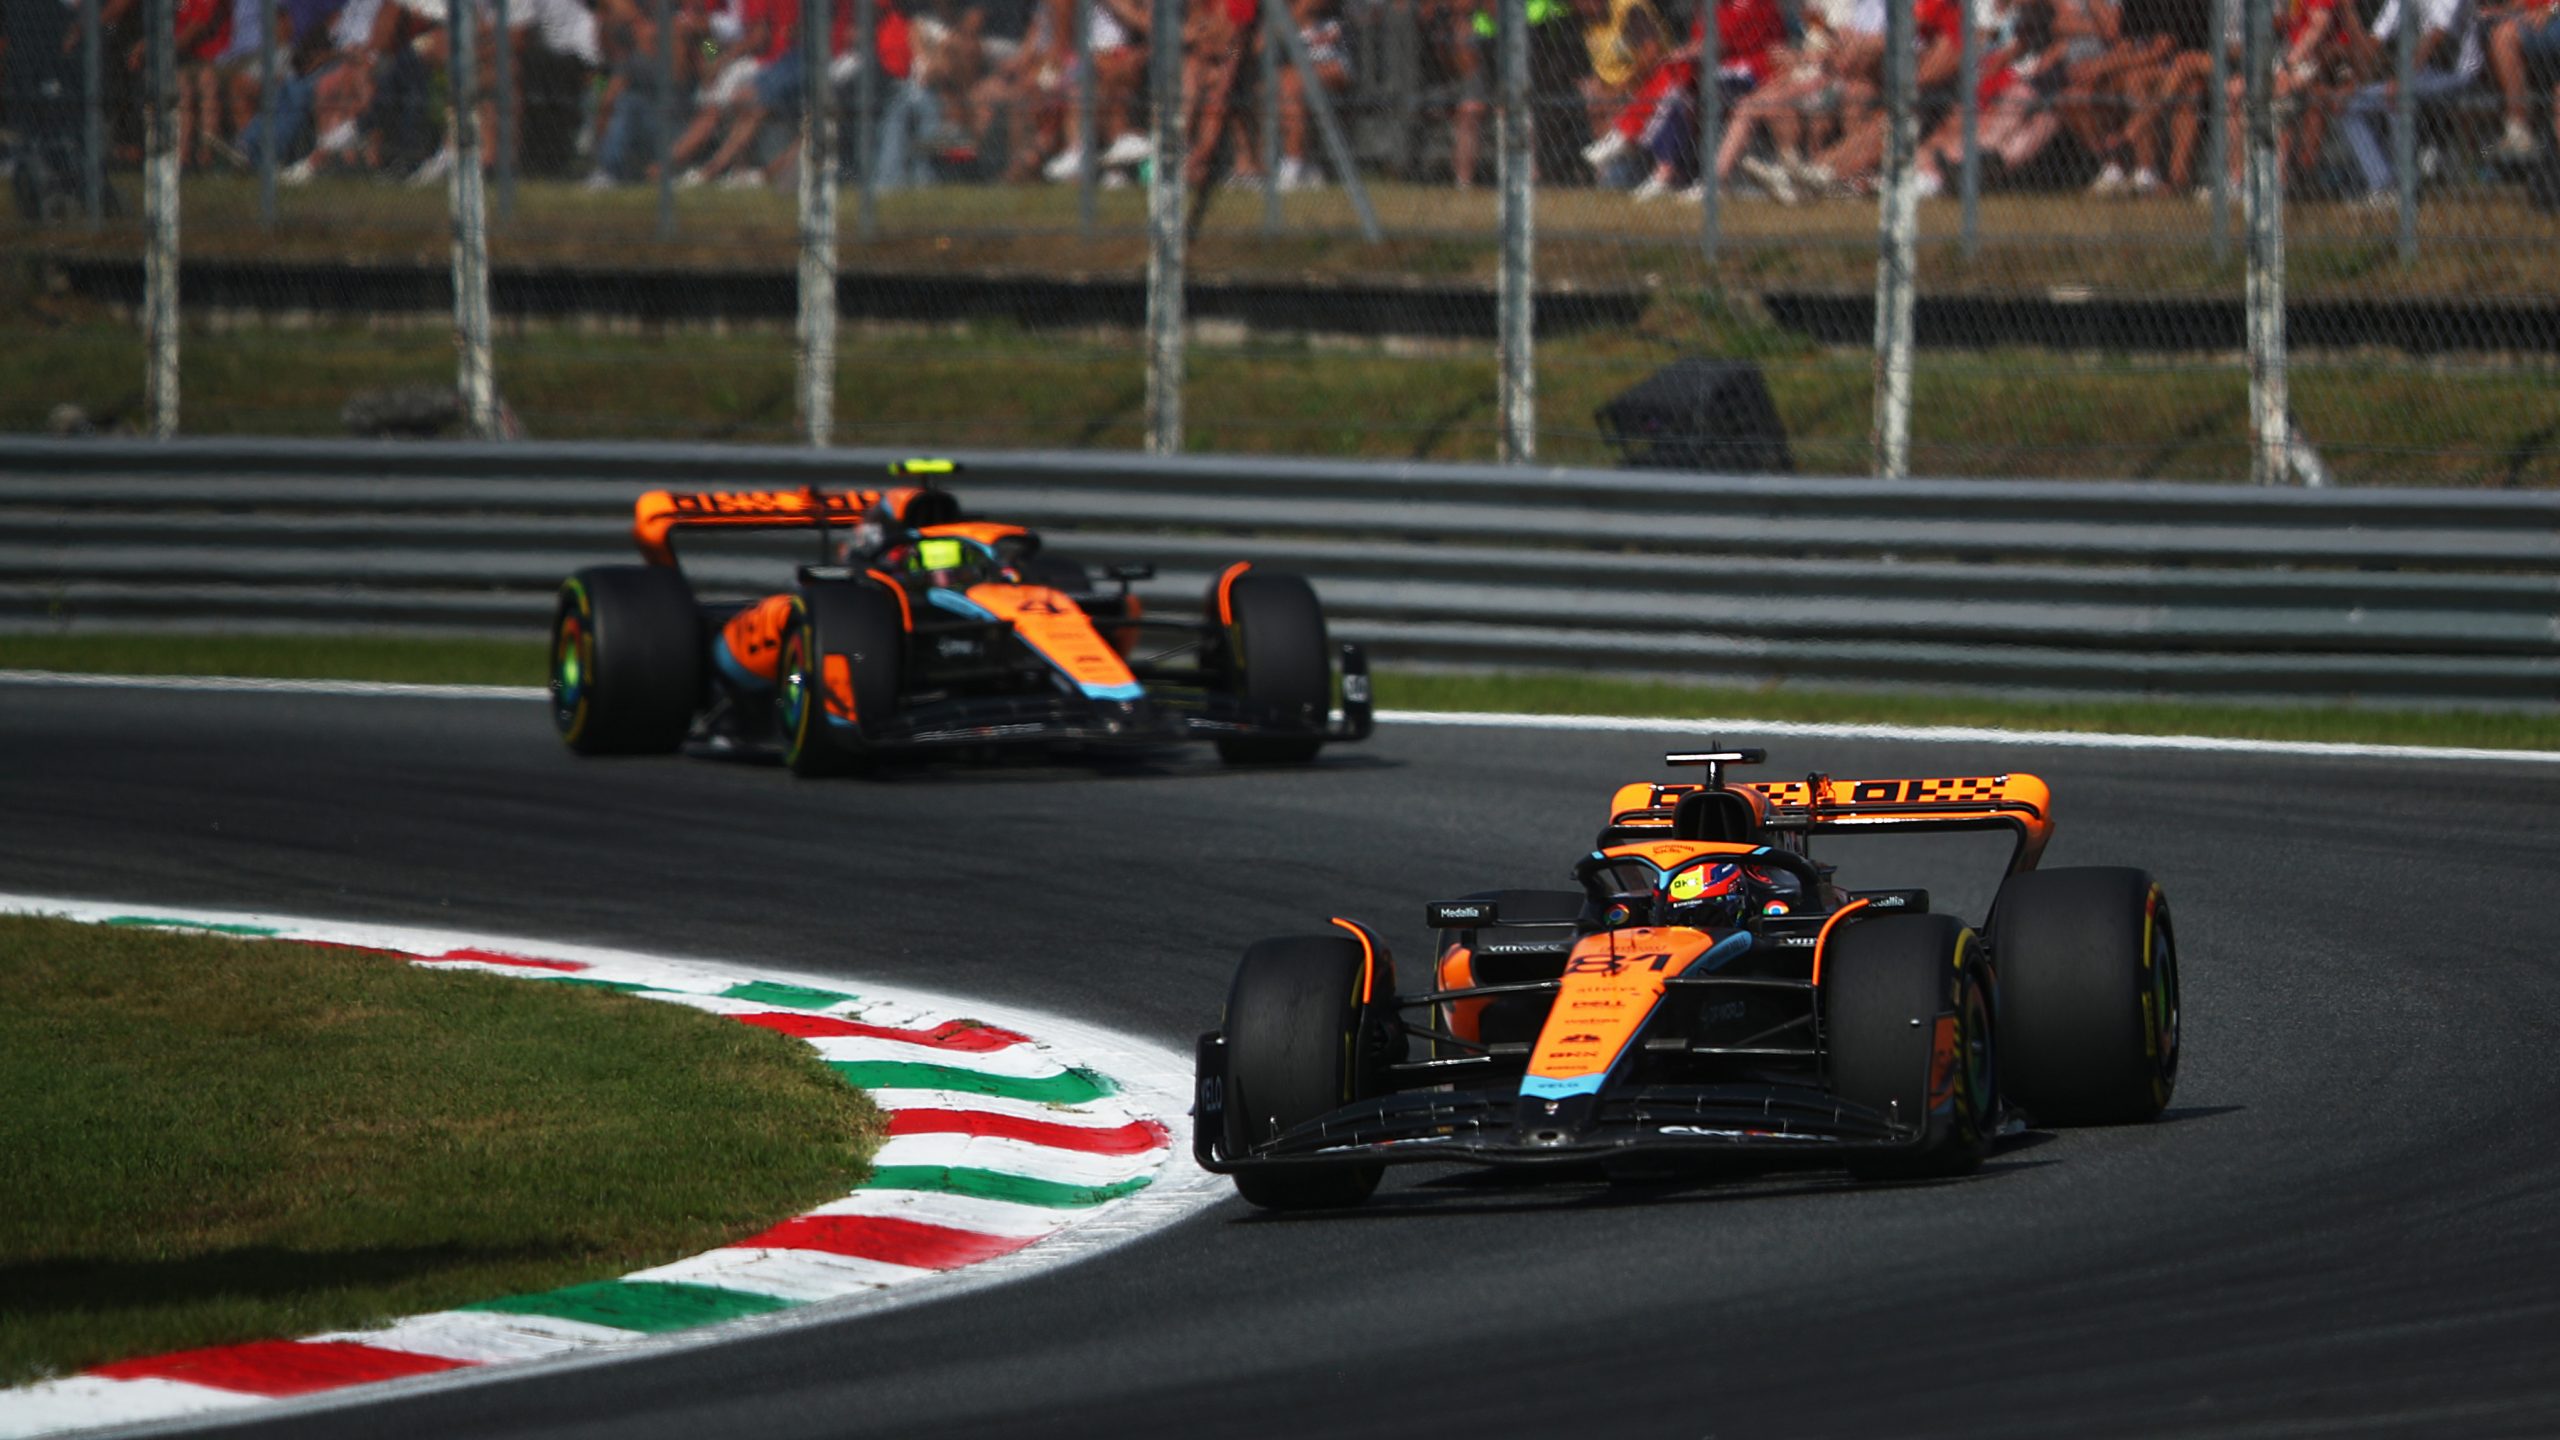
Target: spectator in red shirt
(1662,119)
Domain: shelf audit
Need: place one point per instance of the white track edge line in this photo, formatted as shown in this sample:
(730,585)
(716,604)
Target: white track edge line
(1154,1077)
(1742,726)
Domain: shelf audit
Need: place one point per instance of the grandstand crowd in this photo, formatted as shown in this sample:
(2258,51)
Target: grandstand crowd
(2107,95)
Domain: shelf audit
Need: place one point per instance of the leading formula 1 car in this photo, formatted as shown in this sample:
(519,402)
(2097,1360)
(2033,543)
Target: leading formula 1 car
(1708,991)
(921,628)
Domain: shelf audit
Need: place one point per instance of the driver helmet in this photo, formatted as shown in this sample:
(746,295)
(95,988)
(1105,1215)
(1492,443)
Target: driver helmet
(1725,893)
(942,560)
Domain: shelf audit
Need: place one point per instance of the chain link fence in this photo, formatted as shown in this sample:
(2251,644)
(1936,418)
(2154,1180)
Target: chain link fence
(1838,235)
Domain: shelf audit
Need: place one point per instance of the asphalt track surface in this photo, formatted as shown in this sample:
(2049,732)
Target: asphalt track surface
(2346,1225)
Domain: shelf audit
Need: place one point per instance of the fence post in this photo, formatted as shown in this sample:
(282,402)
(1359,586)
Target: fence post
(1337,145)
(502,88)
(1517,395)
(817,227)
(2404,123)
(1275,13)
(2217,135)
(160,220)
(866,127)
(1968,87)
(1710,128)
(267,114)
(1088,121)
(1898,198)
(664,17)
(1164,231)
(93,125)
(2264,197)
(477,384)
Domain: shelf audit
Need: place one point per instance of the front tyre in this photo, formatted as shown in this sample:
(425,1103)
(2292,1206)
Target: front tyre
(627,652)
(1907,1030)
(838,674)
(1300,1041)
(2088,994)
(1271,641)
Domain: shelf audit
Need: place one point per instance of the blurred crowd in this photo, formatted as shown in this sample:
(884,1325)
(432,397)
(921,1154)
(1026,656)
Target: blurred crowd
(2110,96)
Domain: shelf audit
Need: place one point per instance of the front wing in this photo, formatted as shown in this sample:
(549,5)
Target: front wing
(1495,1127)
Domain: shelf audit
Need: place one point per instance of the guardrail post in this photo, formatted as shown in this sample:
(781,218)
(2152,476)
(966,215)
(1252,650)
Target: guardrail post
(818,227)
(1518,322)
(476,382)
(1898,197)
(160,219)
(1164,232)
(2264,197)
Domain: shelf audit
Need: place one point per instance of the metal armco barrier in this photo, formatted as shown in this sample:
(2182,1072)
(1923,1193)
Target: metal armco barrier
(2398,596)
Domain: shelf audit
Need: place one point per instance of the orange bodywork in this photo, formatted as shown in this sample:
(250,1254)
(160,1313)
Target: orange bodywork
(752,640)
(906,611)
(1465,1018)
(2022,802)
(1612,981)
(1056,627)
(1822,940)
(1226,588)
(839,688)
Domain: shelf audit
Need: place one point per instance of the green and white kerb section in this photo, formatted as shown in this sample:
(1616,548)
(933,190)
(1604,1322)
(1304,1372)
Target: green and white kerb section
(1016,1141)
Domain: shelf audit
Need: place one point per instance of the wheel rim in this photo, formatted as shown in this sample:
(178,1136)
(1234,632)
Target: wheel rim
(793,697)
(572,664)
(1981,1075)
(2163,999)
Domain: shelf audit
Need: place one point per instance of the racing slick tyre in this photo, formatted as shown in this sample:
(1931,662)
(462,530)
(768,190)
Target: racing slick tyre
(838,673)
(1907,1024)
(627,654)
(1300,1041)
(1272,646)
(2088,966)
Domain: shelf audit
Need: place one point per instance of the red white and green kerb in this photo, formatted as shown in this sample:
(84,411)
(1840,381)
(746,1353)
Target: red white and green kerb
(997,1142)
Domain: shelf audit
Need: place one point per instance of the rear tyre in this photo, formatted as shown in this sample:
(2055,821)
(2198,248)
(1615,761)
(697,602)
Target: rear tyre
(838,674)
(1907,1028)
(1278,662)
(2088,994)
(1300,1042)
(627,656)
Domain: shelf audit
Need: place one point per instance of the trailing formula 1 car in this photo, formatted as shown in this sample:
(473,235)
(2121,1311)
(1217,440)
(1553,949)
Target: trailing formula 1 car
(919,628)
(1708,991)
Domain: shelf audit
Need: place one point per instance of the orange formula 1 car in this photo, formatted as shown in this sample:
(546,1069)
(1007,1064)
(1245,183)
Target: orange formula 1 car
(921,628)
(1708,991)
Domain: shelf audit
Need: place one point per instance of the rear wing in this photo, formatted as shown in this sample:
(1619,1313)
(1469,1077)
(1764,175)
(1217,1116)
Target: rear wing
(2021,804)
(658,515)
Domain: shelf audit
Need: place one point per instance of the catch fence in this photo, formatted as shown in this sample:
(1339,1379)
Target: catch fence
(2187,239)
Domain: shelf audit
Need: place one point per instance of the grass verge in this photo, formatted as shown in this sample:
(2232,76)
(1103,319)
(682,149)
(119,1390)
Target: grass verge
(495,661)
(214,1140)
